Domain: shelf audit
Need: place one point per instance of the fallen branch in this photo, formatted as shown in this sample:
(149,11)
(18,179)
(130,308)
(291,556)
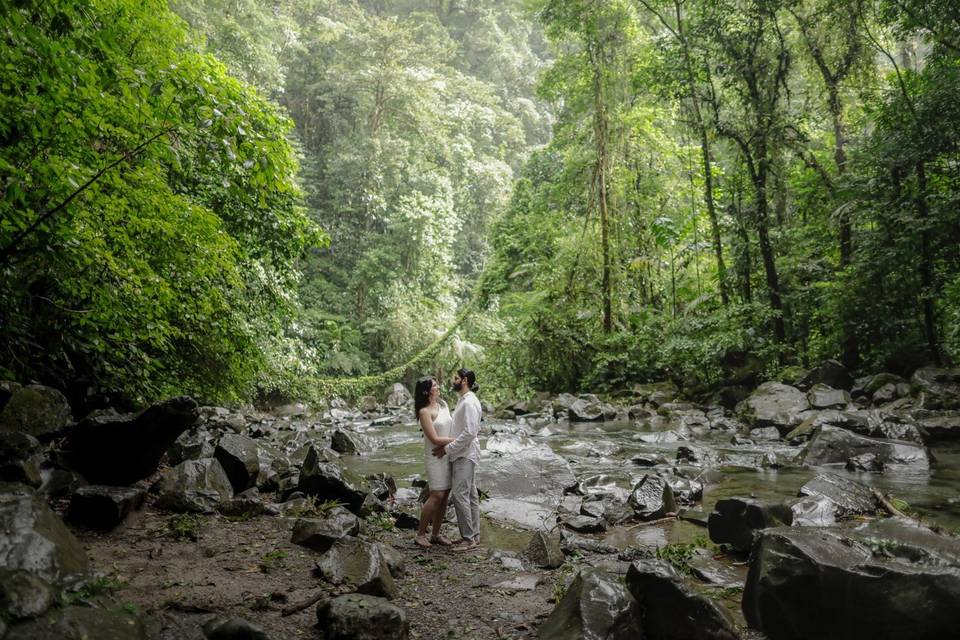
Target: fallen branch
(888,505)
(644,524)
(300,606)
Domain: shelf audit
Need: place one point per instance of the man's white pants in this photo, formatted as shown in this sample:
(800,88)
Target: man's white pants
(466,500)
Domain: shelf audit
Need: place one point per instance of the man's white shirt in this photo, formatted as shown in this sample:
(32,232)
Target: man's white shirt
(466,429)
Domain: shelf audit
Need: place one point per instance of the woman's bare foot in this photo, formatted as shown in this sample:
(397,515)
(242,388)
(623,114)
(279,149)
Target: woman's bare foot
(442,540)
(421,541)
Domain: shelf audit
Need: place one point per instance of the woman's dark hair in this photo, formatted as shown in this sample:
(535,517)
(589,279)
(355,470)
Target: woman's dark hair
(421,394)
(470,377)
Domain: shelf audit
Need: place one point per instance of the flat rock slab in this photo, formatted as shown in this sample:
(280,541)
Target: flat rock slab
(887,579)
(362,617)
(527,582)
(849,497)
(714,572)
(833,445)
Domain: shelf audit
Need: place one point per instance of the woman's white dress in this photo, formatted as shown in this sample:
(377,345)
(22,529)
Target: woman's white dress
(438,469)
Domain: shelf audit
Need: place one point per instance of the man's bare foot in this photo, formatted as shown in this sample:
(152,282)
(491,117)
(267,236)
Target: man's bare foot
(471,545)
(421,541)
(442,540)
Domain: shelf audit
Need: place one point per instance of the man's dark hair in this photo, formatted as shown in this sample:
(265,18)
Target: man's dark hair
(470,377)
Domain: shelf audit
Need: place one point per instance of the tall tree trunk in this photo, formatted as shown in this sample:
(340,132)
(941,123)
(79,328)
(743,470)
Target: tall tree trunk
(600,128)
(926,263)
(766,250)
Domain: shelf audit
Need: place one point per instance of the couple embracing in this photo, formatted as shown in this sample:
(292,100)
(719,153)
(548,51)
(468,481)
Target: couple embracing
(452,453)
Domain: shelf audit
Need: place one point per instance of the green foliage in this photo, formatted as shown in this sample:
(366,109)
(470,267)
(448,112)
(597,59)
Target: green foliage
(186,526)
(272,560)
(679,554)
(98,585)
(378,524)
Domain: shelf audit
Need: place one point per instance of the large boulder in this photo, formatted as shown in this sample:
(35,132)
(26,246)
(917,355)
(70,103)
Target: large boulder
(349,442)
(36,410)
(240,458)
(192,444)
(20,458)
(833,445)
(595,605)
(320,534)
(330,481)
(524,481)
(398,396)
(197,486)
(939,426)
(24,595)
(102,507)
(935,388)
(849,497)
(652,497)
(81,623)
(830,373)
(735,521)
(820,396)
(585,410)
(360,565)
(121,449)
(671,609)
(34,538)
(774,404)
(884,580)
(361,617)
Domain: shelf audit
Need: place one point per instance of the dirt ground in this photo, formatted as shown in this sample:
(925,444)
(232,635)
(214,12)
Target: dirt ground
(250,569)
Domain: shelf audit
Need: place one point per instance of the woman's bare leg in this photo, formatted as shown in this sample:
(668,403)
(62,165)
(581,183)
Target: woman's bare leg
(428,513)
(441,513)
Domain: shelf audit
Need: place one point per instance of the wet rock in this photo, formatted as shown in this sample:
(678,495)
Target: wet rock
(585,524)
(347,442)
(544,551)
(524,486)
(850,497)
(639,412)
(20,458)
(359,564)
(886,579)
(881,424)
(686,491)
(649,460)
(102,507)
(382,485)
(240,458)
(572,543)
(774,405)
(766,433)
(869,385)
(292,410)
(813,512)
(832,445)
(192,444)
(935,388)
(34,538)
(671,609)
(595,605)
(583,410)
(121,449)
(940,426)
(80,623)
(712,572)
(865,462)
(830,373)
(23,595)
(398,396)
(233,629)
(368,404)
(330,481)
(652,498)
(35,410)
(319,534)
(247,505)
(694,454)
(195,486)
(890,392)
(362,617)
(735,521)
(849,420)
(820,396)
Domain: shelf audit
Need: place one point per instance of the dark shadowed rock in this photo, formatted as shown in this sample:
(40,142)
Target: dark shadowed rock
(349,442)
(671,609)
(544,551)
(774,405)
(645,459)
(23,595)
(935,388)
(192,444)
(121,449)
(81,623)
(240,458)
(884,580)
(319,534)
(34,538)
(233,629)
(20,458)
(359,564)
(833,445)
(830,373)
(735,521)
(102,507)
(850,497)
(362,617)
(595,605)
(330,481)
(198,486)
(36,410)
(652,498)
(7,389)
(939,426)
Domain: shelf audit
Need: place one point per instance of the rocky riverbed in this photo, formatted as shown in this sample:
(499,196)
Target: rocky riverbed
(645,514)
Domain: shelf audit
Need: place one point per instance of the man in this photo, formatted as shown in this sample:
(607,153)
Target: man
(464,454)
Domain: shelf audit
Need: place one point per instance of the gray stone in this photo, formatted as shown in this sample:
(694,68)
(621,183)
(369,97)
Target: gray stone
(362,617)
(935,388)
(394,559)
(671,609)
(595,606)
(652,498)
(765,433)
(820,396)
(240,458)
(359,564)
(774,405)
(833,445)
(715,573)
(102,507)
(330,481)
(192,444)
(368,404)
(585,524)
(348,442)
(398,396)
(121,449)
(197,486)
(686,491)
(233,629)
(320,534)
(887,579)
(735,521)
(20,458)
(813,512)
(940,426)
(872,384)
(865,462)
(35,410)
(23,595)
(34,538)
(830,373)
(81,623)
(544,551)
(585,410)
(850,497)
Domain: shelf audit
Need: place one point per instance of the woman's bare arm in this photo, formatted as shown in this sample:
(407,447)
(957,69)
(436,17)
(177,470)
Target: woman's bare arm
(426,423)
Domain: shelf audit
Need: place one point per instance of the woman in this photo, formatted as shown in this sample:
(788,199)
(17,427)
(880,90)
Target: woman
(435,420)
